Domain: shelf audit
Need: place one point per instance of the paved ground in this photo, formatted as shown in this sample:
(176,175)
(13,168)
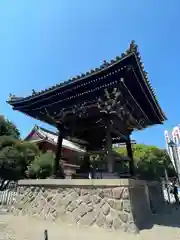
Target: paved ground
(21,228)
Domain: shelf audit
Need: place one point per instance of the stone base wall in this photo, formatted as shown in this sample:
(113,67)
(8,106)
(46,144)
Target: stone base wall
(156,197)
(112,204)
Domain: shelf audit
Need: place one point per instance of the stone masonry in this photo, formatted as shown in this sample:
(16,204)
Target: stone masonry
(83,202)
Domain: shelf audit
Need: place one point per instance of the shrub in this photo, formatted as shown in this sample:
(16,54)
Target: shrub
(42,166)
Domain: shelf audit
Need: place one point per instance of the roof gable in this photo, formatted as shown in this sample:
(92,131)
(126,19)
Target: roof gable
(37,134)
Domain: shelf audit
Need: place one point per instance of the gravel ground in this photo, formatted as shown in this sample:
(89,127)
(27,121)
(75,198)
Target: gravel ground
(21,228)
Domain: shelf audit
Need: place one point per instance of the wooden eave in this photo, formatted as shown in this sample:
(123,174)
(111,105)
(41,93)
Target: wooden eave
(76,81)
(51,104)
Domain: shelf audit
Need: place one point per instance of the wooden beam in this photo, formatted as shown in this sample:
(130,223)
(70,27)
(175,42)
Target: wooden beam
(130,155)
(109,156)
(58,172)
(119,125)
(117,132)
(88,127)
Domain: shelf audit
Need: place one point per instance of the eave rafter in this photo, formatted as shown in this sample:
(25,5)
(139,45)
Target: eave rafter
(77,95)
(111,103)
(40,104)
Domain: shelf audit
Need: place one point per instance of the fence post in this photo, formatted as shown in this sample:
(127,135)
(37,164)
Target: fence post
(45,234)
(146,188)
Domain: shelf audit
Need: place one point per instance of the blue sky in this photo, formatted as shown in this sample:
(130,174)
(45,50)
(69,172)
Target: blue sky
(43,42)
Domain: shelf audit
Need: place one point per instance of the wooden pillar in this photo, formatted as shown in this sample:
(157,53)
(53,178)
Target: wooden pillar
(58,172)
(130,155)
(109,156)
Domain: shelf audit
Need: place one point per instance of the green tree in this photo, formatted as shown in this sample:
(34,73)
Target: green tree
(28,150)
(42,166)
(11,165)
(7,128)
(15,156)
(6,141)
(150,161)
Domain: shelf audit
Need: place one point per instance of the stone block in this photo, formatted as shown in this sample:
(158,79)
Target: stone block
(98,208)
(96,199)
(102,202)
(127,206)
(42,202)
(113,213)
(33,211)
(117,223)
(118,205)
(79,201)
(117,192)
(21,190)
(105,209)
(32,189)
(31,199)
(110,202)
(61,211)
(72,207)
(78,191)
(37,189)
(39,209)
(65,201)
(107,192)
(49,198)
(100,220)
(45,211)
(73,195)
(109,221)
(123,216)
(88,219)
(131,228)
(24,199)
(84,192)
(101,193)
(86,199)
(125,194)
(81,211)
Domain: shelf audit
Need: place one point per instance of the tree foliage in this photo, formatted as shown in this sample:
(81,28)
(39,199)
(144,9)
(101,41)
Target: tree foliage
(15,156)
(42,166)
(7,128)
(29,150)
(150,161)
(20,159)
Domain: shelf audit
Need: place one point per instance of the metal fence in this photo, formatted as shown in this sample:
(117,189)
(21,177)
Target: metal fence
(7,197)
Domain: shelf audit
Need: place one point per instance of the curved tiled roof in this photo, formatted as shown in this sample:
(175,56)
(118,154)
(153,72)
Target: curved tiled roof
(53,138)
(132,50)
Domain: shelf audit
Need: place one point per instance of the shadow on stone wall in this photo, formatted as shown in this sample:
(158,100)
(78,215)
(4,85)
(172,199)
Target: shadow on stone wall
(169,216)
(146,213)
(140,205)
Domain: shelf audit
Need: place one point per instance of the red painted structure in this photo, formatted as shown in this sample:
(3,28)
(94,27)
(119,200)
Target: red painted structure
(47,141)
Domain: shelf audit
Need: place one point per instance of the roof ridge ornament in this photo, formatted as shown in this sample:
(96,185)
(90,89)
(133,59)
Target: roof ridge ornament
(36,127)
(105,64)
(133,47)
(13,97)
(34,92)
